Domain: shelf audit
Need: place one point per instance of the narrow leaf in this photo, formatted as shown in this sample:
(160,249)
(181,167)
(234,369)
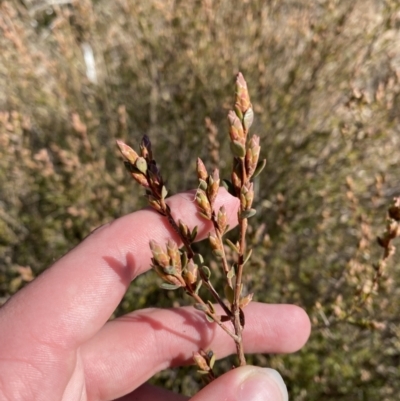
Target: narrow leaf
(229,293)
(164,192)
(246,300)
(237,149)
(248,118)
(211,307)
(193,235)
(204,216)
(141,165)
(198,259)
(212,361)
(198,286)
(210,319)
(246,214)
(206,271)
(203,185)
(184,259)
(247,256)
(238,112)
(260,167)
(170,270)
(217,253)
(201,307)
(202,372)
(232,245)
(231,273)
(167,286)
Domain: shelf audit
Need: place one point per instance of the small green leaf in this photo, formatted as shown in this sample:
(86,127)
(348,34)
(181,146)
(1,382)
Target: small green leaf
(201,307)
(206,271)
(246,259)
(203,372)
(183,228)
(184,259)
(212,361)
(232,245)
(170,270)
(168,286)
(202,184)
(141,165)
(260,167)
(246,300)
(231,273)
(211,306)
(198,286)
(164,192)
(209,319)
(198,259)
(218,254)
(193,235)
(229,293)
(248,118)
(204,216)
(238,112)
(237,149)
(246,214)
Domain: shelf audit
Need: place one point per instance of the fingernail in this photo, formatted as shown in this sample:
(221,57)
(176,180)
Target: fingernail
(262,384)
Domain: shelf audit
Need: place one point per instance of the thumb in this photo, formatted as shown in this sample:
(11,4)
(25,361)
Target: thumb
(247,383)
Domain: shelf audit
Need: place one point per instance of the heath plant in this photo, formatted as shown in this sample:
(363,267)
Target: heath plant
(184,268)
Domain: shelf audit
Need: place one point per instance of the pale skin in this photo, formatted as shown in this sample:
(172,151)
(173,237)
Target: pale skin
(57,343)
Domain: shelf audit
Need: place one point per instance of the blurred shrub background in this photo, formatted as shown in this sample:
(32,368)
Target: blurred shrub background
(324,77)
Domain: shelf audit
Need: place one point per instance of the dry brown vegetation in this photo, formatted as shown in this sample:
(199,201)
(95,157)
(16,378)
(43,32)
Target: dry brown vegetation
(325,85)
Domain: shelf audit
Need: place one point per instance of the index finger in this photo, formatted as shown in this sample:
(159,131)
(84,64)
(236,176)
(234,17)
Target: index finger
(69,302)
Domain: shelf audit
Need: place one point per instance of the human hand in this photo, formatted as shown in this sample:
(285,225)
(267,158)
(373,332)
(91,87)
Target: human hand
(56,342)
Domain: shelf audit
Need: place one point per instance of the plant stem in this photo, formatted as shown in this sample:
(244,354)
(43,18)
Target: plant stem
(237,322)
(213,316)
(224,260)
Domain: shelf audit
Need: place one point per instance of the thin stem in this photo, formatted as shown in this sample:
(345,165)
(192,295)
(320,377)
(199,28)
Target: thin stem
(238,286)
(239,274)
(224,260)
(212,315)
(215,295)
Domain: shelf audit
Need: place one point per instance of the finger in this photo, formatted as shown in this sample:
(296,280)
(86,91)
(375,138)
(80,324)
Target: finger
(69,302)
(130,350)
(247,383)
(148,392)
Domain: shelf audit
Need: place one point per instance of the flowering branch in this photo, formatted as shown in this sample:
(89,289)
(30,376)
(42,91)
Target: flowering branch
(185,268)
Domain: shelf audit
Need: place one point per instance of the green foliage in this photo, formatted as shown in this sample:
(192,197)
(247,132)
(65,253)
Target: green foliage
(324,83)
